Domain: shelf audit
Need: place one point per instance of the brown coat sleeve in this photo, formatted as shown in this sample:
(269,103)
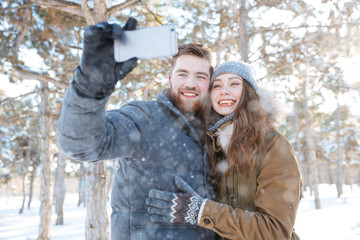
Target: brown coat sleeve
(277,198)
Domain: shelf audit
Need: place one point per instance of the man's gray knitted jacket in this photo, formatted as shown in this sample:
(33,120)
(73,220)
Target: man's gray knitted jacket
(153,141)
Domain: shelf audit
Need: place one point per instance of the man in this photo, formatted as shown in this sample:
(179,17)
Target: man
(154,140)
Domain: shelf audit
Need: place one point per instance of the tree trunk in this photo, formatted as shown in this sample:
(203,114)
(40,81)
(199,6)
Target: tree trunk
(81,185)
(243,31)
(21,210)
(311,152)
(97,222)
(348,173)
(300,154)
(31,183)
(339,160)
(218,44)
(25,25)
(45,159)
(331,179)
(59,188)
(27,160)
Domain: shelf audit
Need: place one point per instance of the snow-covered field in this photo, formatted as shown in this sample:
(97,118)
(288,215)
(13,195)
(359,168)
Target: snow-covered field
(339,218)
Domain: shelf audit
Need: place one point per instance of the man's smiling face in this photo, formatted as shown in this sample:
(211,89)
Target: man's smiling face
(189,83)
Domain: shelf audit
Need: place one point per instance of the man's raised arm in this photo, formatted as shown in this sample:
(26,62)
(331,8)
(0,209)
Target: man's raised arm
(83,131)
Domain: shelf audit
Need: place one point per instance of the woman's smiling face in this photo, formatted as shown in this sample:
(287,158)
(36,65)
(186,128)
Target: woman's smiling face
(226,92)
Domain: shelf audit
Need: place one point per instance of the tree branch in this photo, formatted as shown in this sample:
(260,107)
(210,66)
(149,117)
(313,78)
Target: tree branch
(87,12)
(121,6)
(28,74)
(24,28)
(100,11)
(10,99)
(69,7)
(275,28)
(258,5)
(14,8)
(153,14)
(22,112)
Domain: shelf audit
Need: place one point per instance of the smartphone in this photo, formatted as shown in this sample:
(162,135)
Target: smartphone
(152,42)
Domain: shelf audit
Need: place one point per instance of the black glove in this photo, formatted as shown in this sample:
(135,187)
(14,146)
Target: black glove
(166,207)
(97,74)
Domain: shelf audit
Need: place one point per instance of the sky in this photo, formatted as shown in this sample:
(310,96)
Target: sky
(337,220)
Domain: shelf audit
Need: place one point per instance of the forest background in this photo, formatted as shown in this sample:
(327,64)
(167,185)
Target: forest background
(306,50)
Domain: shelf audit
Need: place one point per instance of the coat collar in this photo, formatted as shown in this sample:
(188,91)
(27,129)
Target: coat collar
(196,124)
(221,132)
(213,128)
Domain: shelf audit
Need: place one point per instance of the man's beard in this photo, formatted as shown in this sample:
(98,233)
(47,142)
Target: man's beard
(186,107)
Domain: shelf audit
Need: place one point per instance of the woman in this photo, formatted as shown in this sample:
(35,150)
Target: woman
(255,171)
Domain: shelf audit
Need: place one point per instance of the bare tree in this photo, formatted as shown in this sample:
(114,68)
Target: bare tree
(21,210)
(31,182)
(310,149)
(339,159)
(46,162)
(97,221)
(59,188)
(243,23)
(81,184)
(35,162)
(26,151)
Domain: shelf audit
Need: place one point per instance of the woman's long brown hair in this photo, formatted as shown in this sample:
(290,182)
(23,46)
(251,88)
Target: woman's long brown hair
(248,138)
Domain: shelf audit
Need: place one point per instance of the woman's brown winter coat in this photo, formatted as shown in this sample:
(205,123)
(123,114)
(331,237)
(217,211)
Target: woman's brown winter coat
(262,205)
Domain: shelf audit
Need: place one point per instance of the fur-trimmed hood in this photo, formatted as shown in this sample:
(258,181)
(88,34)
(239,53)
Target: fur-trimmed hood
(272,105)
(223,128)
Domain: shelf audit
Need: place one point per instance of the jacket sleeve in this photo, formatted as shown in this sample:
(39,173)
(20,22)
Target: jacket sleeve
(87,133)
(277,198)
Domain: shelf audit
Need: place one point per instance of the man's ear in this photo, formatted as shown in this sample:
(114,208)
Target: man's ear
(169,81)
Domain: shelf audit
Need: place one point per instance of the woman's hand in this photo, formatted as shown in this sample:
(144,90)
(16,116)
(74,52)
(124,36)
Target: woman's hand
(167,207)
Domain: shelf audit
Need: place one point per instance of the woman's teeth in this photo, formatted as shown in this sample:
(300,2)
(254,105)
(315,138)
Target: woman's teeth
(228,102)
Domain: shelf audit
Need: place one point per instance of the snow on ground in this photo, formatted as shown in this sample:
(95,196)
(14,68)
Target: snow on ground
(14,226)
(338,219)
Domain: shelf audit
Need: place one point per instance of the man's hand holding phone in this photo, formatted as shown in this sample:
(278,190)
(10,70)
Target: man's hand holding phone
(111,52)
(98,72)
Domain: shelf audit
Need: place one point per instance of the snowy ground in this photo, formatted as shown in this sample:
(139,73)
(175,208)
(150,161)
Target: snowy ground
(339,218)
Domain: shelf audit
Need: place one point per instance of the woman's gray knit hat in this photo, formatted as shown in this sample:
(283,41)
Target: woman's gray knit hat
(242,69)
(268,100)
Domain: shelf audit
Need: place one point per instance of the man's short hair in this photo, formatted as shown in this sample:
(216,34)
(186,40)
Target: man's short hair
(194,49)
